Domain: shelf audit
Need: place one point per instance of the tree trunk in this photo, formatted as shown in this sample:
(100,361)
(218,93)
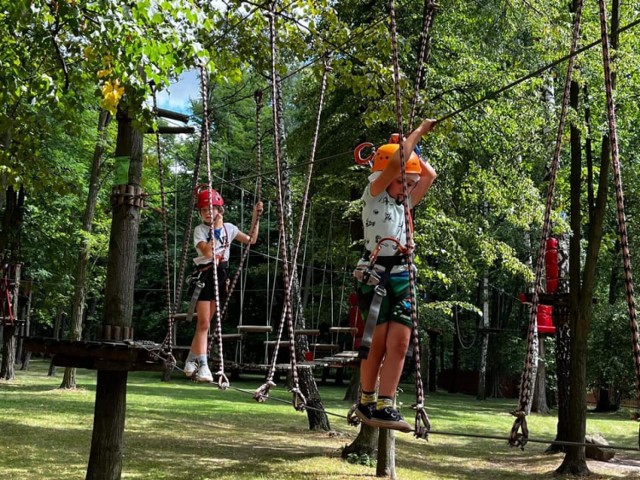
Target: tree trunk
(484,350)
(351,395)
(386,466)
(563,346)
(539,401)
(57,323)
(574,461)
(433,362)
(105,461)
(455,365)
(9,341)
(366,443)
(77,315)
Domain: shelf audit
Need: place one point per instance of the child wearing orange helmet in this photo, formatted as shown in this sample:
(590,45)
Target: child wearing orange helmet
(211,240)
(389,315)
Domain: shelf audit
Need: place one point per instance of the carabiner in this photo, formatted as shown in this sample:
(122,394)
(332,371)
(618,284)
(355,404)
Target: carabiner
(358,157)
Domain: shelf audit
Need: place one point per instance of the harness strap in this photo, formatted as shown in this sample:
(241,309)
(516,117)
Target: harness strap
(194,299)
(372,319)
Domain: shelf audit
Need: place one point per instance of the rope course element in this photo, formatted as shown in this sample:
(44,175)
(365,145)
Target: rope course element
(223,381)
(530,75)
(421,423)
(622,228)
(165,232)
(519,431)
(262,392)
(427,20)
(289,277)
(247,248)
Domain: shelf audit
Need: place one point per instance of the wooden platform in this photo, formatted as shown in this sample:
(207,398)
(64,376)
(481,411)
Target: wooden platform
(115,356)
(254,329)
(347,358)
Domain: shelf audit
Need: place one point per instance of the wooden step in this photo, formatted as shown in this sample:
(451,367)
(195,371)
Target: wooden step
(350,330)
(231,337)
(307,331)
(182,317)
(254,328)
(283,343)
(324,346)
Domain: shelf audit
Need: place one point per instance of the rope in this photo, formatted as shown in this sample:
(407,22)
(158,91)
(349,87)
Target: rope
(262,392)
(223,381)
(531,75)
(527,383)
(422,425)
(168,344)
(427,21)
(247,248)
(622,228)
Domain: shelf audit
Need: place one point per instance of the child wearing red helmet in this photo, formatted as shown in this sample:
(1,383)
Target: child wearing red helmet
(211,240)
(383,272)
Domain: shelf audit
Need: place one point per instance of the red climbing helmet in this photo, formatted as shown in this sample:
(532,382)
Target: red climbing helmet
(206,196)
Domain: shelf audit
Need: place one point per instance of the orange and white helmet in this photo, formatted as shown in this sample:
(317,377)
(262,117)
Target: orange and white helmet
(207,197)
(385,152)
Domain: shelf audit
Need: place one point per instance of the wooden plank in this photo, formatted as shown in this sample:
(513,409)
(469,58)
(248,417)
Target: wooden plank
(283,343)
(350,330)
(324,346)
(254,328)
(231,337)
(307,331)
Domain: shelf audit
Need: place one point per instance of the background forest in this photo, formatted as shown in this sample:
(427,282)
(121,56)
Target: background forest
(67,66)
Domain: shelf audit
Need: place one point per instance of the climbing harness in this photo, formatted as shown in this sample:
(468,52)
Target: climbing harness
(376,275)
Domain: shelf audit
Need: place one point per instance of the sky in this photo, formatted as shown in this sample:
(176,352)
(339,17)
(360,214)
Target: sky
(179,94)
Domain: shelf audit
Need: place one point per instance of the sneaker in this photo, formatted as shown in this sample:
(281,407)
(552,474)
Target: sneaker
(190,368)
(204,374)
(389,418)
(365,411)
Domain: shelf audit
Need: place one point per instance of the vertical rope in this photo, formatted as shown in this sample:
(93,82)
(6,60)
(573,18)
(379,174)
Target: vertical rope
(262,393)
(427,21)
(527,382)
(223,381)
(247,248)
(422,425)
(165,231)
(622,227)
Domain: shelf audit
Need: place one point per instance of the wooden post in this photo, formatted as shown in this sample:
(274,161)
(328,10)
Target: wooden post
(105,460)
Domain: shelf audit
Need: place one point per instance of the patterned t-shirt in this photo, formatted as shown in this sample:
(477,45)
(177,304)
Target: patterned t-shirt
(383,217)
(223,238)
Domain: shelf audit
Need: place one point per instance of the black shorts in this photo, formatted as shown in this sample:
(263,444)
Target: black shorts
(207,294)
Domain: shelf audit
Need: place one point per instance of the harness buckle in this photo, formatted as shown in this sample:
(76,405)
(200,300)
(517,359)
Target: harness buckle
(367,275)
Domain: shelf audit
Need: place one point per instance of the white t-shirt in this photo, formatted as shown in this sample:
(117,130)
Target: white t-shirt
(223,238)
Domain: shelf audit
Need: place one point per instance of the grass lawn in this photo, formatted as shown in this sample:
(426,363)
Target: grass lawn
(182,430)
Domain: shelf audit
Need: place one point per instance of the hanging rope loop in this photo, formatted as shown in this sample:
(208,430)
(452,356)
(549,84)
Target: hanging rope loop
(422,425)
(352,418)
(299,400)
(517,439)
(261,394)
(223,381)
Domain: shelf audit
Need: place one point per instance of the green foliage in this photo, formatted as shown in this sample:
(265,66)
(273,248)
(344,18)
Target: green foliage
(362,459)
